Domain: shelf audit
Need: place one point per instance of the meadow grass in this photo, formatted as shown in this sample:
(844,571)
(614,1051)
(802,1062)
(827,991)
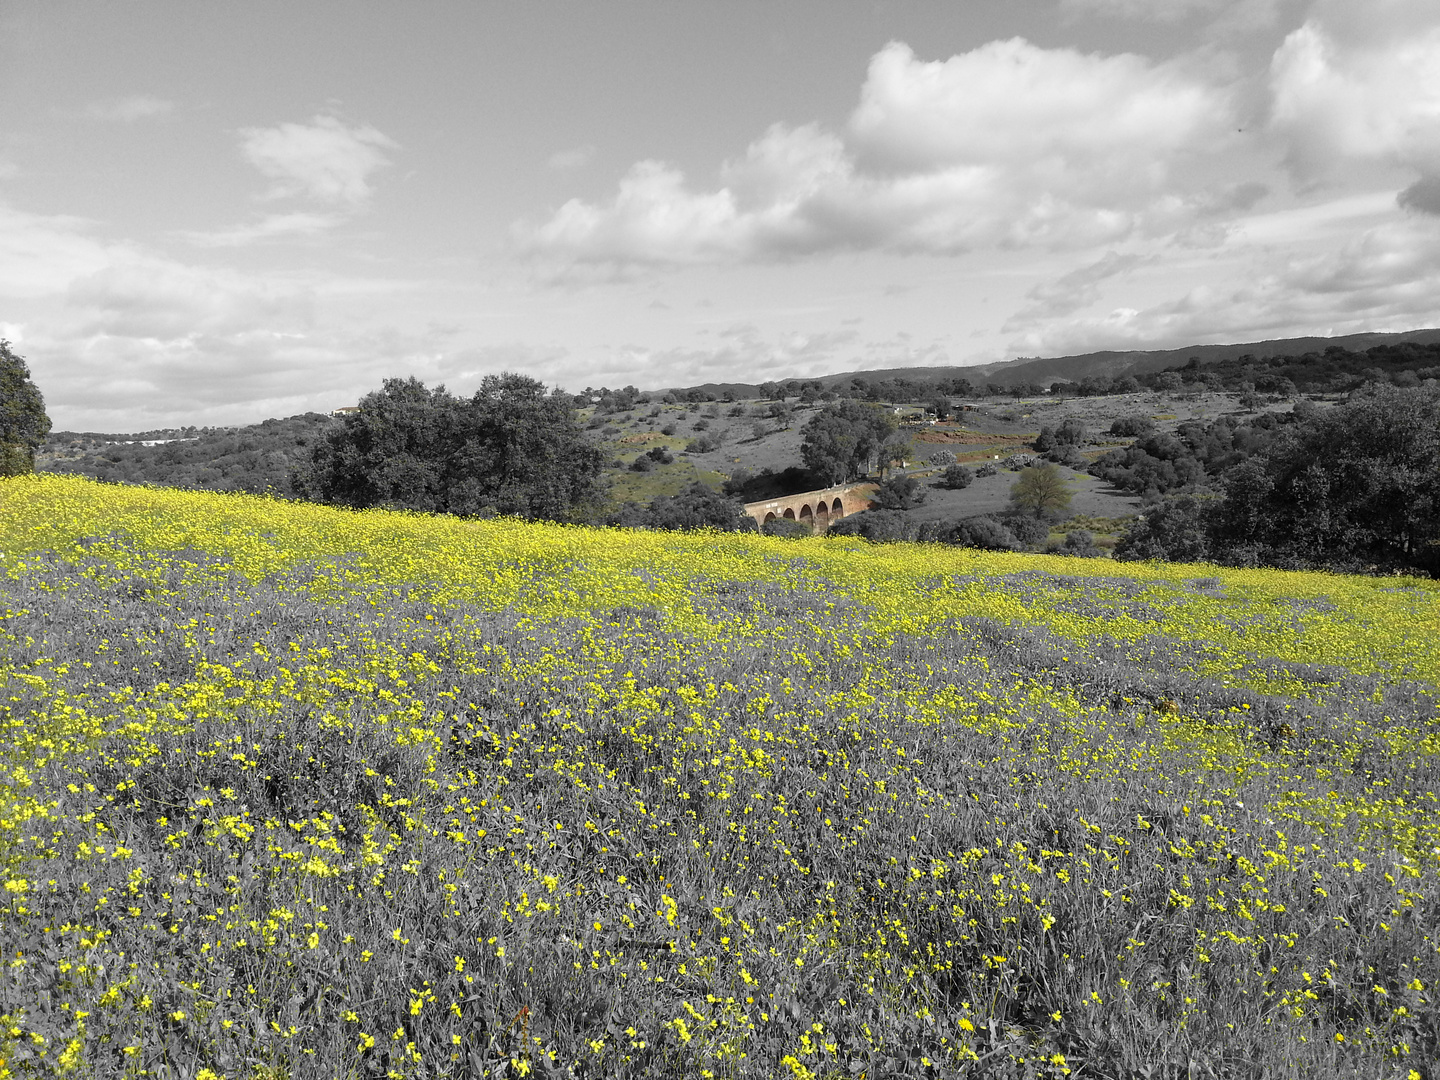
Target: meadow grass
(287,791)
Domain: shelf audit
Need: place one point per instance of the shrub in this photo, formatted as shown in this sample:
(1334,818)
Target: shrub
(697,507)
(1079,542)
(1132,425)
(1175,530)
(985,533)
(1030,531)
(942,457)
(988,468)
(1066,454)
(788,529)
(900,493)
(878,526)
(957,477)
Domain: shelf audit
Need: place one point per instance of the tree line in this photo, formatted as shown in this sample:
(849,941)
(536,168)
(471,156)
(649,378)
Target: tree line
(1355,488)
(1351,487)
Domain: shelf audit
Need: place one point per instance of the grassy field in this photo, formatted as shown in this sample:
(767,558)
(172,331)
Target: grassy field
(293,792)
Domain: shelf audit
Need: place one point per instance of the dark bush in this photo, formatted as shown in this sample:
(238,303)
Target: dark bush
(787,529)
(1175,530)
(985,533)
(1131,426)
(1026,528)
(900,493)
(1078,542)
(878,526)
(697,507)
(957,477)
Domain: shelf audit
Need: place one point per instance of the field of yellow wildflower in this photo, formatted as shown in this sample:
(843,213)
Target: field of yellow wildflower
(287,791)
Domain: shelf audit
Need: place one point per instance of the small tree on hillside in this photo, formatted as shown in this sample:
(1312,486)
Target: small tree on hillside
(1041,490)
(23,422)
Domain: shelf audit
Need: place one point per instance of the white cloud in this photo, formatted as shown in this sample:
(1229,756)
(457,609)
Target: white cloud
(326,160)
(1078,289)
(270,227)
(574,158)
(1385,278)
(40,255)
(1058,111)
(158,299)
(129,109)
(1360,82)
(1007,145)
(120,338)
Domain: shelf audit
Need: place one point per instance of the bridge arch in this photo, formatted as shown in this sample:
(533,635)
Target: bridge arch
(818,509)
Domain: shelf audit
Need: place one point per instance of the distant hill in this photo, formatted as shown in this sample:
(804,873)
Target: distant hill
(1116,364)
(1109,363)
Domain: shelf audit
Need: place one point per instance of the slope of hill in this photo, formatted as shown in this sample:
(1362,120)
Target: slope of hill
(373,794)
(1115,364)
(1112,363)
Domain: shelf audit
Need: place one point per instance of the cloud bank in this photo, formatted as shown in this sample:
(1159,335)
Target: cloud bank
(1359,82)
(1007,145)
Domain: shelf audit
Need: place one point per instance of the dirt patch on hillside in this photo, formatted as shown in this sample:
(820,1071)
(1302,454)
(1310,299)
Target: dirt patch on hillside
(970,438)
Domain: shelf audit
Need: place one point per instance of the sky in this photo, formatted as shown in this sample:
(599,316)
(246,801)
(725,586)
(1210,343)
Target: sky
(218,213)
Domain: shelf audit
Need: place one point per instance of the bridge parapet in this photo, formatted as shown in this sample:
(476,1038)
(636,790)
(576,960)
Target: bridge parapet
(819,509)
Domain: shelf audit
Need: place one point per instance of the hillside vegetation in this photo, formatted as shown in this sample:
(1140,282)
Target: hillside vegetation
(288,791)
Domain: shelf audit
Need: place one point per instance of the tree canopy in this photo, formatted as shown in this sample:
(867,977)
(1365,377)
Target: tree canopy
(1349,488)
(511,448)
(1359,482)
(23,422)
(841,440)
(1040,490)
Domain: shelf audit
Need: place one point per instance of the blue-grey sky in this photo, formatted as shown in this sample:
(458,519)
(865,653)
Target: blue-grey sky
(217,213)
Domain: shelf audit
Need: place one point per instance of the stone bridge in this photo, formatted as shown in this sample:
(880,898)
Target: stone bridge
(818,509)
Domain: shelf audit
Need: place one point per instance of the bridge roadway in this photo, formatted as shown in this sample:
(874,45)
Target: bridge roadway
(818,509)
